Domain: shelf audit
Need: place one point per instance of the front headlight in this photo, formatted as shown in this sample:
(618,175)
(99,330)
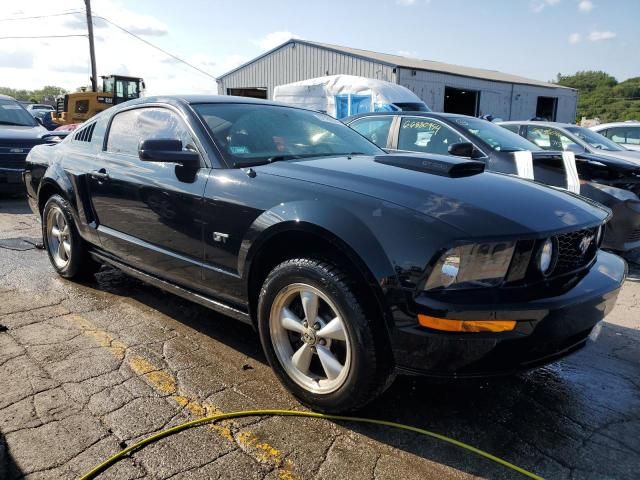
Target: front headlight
(471,266)
(547,256)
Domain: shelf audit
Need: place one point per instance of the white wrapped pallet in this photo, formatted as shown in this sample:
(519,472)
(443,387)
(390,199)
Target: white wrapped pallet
(344,95)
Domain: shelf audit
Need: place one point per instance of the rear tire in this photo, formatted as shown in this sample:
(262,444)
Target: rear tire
(66,249)
(318,339)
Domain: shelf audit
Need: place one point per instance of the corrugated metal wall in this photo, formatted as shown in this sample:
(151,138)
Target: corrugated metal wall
(496,98)
(295,62)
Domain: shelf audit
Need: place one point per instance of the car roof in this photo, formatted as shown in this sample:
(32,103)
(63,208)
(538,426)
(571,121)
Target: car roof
(7,97)
(195,99)
(628,123)
(534,122)
(406,112)
(186,100)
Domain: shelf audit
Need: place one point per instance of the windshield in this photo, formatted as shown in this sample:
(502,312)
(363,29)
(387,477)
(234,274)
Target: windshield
(595,139)
(12,113)
(498,138)
(412,107)
(252,134)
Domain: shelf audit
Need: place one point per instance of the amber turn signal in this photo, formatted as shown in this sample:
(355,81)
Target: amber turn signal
(449,325)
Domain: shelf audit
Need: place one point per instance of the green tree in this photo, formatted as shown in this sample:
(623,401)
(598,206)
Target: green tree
(37,96)
(600,95)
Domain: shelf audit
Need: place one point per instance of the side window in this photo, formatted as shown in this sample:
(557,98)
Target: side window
(512,128)
(633,136)
(426,135)
(375,129)
(617,134)
(130,127)
(548,138)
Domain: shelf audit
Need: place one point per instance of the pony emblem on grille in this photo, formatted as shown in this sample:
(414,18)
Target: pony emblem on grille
(584,243)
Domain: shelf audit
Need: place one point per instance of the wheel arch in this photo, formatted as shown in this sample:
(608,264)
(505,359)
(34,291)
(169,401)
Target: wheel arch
(345,241)
(48,188)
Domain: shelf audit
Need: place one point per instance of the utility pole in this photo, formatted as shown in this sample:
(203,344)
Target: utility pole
(92,51)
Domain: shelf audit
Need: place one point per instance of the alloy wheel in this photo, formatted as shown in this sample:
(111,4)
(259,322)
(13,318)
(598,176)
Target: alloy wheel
(58,237)
(310,338)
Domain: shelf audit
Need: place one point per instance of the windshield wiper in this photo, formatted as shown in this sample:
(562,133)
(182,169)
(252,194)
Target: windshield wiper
(279,158)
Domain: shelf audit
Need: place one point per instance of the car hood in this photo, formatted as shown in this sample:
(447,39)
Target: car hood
(629,155)
(482,205)
(615,162)
(12,133)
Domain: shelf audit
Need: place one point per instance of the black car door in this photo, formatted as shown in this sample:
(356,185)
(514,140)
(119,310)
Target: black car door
(149,213)
(425,135)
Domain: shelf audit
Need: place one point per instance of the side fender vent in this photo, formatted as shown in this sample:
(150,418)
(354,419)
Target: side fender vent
(434,164)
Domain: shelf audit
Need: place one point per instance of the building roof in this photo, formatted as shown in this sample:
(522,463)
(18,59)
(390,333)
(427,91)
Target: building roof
(413,63)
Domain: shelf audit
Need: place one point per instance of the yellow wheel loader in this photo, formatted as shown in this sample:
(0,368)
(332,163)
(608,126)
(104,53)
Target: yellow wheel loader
(80,106)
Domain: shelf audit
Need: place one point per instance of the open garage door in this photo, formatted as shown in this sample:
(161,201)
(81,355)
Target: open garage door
(465,102)
(547,108)
(248,92)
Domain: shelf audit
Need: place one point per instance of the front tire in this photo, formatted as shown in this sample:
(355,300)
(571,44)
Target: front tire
(317,338)
(65,247)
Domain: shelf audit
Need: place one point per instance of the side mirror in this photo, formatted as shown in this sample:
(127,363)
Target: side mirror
(462,149)
(574,147)
(167,151)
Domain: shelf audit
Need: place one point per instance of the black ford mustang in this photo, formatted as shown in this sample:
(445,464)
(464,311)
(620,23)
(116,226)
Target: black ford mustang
(351,263)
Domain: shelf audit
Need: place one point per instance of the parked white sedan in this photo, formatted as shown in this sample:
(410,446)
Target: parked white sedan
(626,134)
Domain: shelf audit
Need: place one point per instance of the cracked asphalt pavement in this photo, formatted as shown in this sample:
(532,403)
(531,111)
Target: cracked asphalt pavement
(87,369)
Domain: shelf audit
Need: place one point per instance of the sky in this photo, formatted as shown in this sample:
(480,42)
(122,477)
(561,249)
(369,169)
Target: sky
(532,38)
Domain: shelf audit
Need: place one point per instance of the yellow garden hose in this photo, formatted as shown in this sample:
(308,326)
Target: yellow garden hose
(294,413)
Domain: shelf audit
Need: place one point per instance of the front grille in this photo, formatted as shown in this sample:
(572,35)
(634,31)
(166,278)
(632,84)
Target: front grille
(61,104)
(634,236)
(12,161)
(9,144)
(575,250)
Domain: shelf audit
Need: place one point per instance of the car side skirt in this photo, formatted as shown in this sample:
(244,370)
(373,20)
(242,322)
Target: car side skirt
(198,298)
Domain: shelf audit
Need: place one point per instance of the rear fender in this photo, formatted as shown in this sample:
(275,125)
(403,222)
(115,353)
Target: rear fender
(56,180)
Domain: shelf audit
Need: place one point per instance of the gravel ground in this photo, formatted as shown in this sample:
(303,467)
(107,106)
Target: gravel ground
(86,369)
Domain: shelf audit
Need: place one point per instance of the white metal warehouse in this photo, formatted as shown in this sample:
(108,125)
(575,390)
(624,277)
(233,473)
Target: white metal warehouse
(443,87)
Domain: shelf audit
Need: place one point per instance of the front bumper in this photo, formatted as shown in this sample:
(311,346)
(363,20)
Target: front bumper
(11,179)
(547,329)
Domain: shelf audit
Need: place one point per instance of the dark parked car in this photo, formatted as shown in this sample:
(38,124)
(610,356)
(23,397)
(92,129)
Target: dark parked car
(608,174)
(43,117)
(465,136)
(19,132)
(351,263)
(612,182)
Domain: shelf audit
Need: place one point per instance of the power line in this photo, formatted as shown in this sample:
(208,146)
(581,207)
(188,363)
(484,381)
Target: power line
(175,57)
(41,16)
(155,46)
(43,36)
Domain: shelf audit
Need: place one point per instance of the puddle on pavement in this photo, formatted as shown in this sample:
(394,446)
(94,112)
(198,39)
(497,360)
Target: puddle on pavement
(20,244)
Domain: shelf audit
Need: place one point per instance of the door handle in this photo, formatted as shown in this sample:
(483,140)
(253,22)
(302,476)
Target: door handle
(101,175)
